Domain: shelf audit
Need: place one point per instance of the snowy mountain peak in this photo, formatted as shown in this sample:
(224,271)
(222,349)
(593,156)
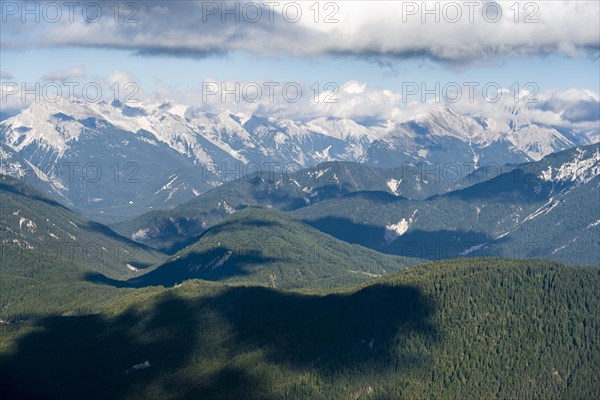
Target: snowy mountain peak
(184,138)
(345,129)
(52,125)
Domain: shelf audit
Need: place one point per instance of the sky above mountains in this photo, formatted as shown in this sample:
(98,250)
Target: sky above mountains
(350,59)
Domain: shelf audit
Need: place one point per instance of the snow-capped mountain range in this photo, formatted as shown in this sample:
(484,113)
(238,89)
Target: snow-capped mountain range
(112,160)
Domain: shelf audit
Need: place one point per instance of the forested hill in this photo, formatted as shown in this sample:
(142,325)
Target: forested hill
(460,329)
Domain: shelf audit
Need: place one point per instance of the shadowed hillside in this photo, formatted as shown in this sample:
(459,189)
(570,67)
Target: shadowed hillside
(471,329)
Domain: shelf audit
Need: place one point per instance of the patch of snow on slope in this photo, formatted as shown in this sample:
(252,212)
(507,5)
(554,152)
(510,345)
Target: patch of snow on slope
(29,224)
(320,173)
(167,186)
(131,267)
(324,155)
(545,209)
(593,224)
(472,249)
(582,169)
(140,235)
(393,184)
(226,207)
(565,246)
(280,139)
(394,231)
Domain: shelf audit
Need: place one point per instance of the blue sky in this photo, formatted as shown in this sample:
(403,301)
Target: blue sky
(548,71)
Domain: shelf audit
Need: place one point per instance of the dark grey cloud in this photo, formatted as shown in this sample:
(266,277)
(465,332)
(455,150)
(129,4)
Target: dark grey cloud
(377,31)
(571,108)
(583,111)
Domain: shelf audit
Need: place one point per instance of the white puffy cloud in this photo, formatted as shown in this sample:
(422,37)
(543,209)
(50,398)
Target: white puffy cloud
(119,85)
(574,109)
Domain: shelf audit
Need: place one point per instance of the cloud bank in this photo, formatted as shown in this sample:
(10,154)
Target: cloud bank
(455,32)
(576,110)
